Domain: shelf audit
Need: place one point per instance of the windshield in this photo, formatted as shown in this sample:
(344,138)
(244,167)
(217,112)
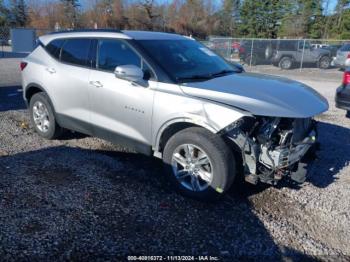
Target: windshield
(187,60)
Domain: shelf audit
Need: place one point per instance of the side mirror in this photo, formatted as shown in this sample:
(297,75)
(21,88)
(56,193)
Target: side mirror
(130,73)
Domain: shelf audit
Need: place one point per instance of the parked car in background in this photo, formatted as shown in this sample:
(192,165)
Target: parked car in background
(290,52)
(235,46)
(256,52)
(318,45)
(224,47)
(171,97)
(343,57)
(332,48)
(342,96)
(221,46)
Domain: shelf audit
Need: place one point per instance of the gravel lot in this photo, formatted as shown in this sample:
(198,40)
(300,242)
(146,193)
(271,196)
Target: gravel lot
(83,198)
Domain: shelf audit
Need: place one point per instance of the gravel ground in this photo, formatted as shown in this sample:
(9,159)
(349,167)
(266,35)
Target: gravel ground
(83,198)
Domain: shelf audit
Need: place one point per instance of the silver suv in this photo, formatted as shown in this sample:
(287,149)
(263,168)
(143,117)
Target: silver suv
(169,96)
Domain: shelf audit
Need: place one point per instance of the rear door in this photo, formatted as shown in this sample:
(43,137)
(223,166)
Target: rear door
(71,78)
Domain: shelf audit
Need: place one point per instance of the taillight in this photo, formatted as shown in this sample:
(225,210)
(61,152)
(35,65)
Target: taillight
(348,55)
(23,65)
(346,78)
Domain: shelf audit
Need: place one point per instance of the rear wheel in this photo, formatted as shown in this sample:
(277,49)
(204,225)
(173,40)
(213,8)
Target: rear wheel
(268,52)
(286,63)
(42,116)
(324,62)
(199,164)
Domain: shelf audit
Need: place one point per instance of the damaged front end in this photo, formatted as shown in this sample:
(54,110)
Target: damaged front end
(273,147)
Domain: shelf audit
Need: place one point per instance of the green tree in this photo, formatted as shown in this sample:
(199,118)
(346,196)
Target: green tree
(227,18)
(345,33)
(305,18)
(262,18)
(342,25)
(17,15)
(3,13)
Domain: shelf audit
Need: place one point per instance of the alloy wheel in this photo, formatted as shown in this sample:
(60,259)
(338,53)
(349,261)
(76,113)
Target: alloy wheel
(41,116)
(192,167)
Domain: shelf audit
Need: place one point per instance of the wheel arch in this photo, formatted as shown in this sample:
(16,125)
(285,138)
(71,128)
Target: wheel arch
(289,56)
(323,55)
(171,127)
(31,89)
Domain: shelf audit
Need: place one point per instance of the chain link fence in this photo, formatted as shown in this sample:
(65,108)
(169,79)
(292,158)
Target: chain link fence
(5,40)
(284,53)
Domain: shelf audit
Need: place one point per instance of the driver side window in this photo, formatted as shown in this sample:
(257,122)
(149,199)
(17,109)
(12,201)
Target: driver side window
(301,45)
(113,53)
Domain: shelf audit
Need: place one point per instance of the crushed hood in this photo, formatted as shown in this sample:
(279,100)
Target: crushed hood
(260,95)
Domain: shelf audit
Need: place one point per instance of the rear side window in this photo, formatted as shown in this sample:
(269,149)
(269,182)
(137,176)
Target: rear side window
(285,45)
(54,47)
(345,48)
(113,53)
(76,51)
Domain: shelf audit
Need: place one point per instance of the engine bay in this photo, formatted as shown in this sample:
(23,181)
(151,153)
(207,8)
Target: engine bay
(273,147)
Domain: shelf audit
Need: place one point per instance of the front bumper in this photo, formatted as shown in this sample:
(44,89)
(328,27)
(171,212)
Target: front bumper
(269,165)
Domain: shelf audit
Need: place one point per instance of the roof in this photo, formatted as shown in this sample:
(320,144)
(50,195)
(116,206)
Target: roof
(150,35)
(111,33)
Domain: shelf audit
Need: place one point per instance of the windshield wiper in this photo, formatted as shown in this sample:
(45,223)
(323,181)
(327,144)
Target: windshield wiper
(195,78)
(222,72)
(206,77)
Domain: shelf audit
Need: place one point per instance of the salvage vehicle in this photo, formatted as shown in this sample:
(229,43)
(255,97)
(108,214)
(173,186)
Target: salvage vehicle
(342,96)
(289,53)
(170,96)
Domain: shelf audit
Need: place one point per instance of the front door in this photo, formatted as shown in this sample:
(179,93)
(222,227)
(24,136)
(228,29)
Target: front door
(121,111)
(308,56)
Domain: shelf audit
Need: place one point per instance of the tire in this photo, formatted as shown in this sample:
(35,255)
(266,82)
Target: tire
(220,164)
(268,52)
(324,62)
(286,63)
(41,110)
(347,115)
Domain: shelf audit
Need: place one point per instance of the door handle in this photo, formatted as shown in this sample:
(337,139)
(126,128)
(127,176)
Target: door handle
(96,84)
(50,70)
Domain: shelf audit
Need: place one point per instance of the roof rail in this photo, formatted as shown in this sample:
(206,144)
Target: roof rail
(106,30)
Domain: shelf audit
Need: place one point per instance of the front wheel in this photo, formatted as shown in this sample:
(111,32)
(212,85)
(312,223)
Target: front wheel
(324,62)
(286,63)
(199,164)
